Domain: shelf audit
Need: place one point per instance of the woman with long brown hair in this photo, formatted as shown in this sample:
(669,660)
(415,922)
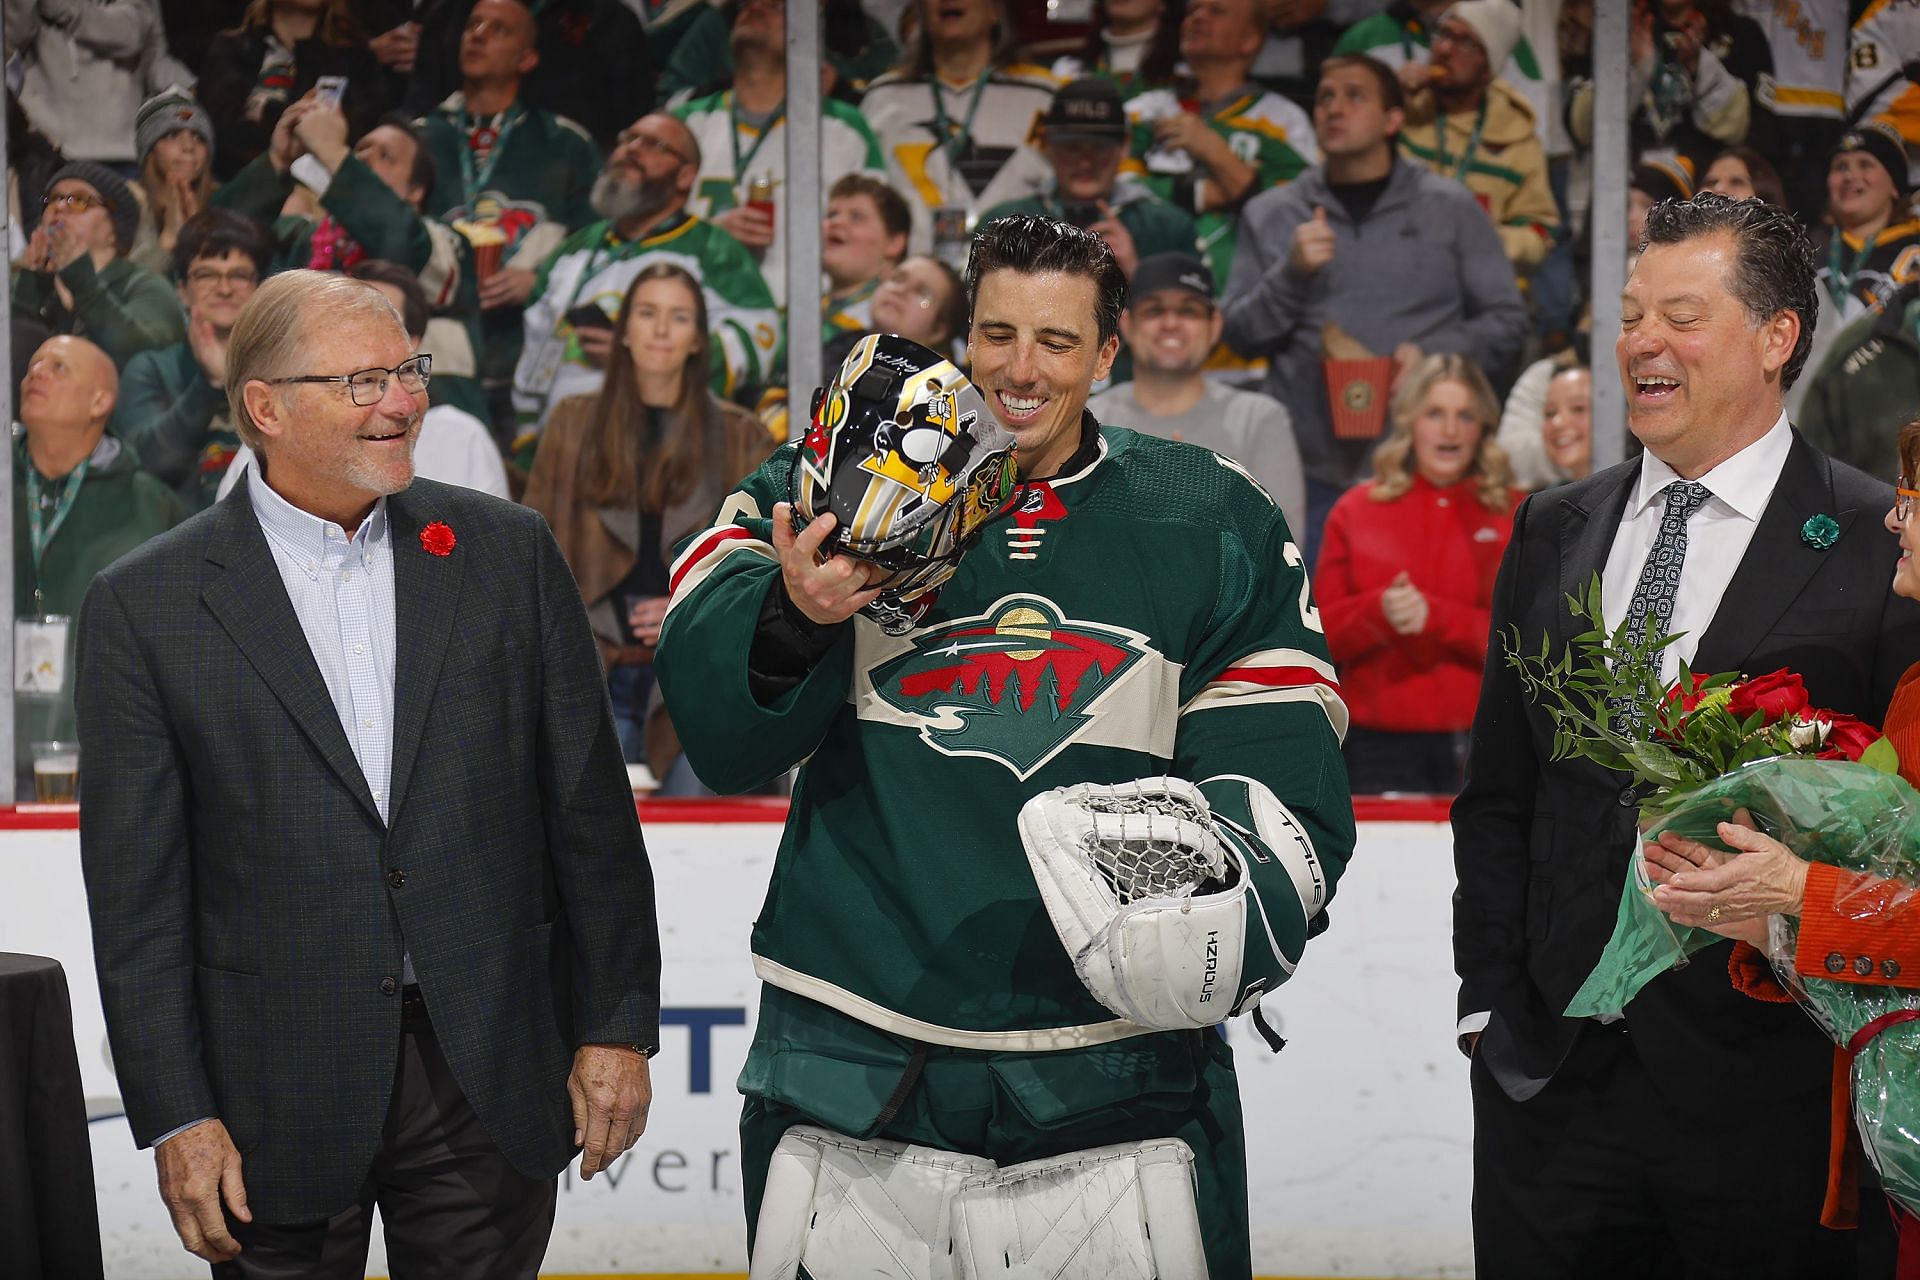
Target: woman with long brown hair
(1405,579)
(624,474)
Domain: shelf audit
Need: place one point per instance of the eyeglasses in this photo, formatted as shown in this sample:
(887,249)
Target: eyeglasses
(647,142)
(208,277)
(73,201)
(369,386)
(1903,499)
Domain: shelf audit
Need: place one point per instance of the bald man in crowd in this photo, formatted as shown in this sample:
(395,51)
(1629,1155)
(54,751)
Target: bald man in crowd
(80,502)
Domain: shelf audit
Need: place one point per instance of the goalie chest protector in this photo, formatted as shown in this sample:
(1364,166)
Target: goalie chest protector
(1105,628)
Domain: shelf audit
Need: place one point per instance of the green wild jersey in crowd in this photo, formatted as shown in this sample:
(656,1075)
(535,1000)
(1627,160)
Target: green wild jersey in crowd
(1147,614)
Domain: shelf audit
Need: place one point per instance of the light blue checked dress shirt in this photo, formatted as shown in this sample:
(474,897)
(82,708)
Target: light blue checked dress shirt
(342,592)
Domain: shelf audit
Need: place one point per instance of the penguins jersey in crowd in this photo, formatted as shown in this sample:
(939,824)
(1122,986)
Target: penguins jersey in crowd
(1886,37)
(1857,276)
(956,150)
(595,265)
(734,150)
(1145,613)
(1808,40)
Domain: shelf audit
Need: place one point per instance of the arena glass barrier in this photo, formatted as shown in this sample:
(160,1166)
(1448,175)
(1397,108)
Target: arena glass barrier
(1359,1132)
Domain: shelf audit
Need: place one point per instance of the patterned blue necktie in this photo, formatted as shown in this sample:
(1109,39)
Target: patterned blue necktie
(1660,576)
(1659,584)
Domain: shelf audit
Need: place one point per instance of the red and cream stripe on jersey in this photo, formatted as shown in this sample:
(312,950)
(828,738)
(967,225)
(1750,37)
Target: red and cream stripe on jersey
(1276,675)
(704,554)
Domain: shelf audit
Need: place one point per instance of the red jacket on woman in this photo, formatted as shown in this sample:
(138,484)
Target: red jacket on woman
(1450,547)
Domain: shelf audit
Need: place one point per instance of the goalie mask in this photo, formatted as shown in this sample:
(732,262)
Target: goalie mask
(903,452)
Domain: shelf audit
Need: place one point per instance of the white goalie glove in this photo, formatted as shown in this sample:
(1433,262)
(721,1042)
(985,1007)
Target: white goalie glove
(1149,896)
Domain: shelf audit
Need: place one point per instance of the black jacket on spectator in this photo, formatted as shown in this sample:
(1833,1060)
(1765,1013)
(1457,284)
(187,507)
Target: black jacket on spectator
(232,67)
(34,160)
(594,66)
(191,25)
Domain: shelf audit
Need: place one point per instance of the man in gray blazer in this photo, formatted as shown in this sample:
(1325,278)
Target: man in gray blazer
(371,912)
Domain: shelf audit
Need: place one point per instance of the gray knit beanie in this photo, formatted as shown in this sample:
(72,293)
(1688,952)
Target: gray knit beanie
(123,209)
(168,112)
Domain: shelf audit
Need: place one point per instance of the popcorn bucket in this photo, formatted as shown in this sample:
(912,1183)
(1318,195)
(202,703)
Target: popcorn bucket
(1357,395)
(486,259)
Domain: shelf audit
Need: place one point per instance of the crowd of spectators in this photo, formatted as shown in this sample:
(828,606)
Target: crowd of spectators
(1357,232)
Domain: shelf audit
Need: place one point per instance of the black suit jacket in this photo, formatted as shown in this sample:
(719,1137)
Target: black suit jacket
(249,907)
(1541,848)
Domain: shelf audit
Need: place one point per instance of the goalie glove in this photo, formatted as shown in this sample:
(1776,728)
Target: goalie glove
(1153,899)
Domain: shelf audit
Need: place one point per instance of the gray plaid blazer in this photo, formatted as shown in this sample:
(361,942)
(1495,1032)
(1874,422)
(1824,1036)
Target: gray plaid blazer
(249,907)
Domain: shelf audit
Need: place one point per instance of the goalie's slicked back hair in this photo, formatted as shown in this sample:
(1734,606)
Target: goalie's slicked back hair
(1033,245)
(1773,267)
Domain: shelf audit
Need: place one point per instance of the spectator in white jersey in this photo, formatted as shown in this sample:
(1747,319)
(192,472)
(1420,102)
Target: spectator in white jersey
(953,119)
(1171,325)
(742,136)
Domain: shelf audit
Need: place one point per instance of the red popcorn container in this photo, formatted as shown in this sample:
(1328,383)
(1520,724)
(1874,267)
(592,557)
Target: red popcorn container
(1357,392)
(486,259)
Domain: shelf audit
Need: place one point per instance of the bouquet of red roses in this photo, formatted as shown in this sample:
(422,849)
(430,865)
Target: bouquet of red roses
(1701,748)
(1704,748)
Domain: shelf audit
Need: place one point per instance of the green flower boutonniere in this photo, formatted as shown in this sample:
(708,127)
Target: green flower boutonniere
(1820,532)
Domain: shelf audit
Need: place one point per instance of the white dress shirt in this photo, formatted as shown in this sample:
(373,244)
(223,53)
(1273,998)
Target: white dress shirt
(1717,538)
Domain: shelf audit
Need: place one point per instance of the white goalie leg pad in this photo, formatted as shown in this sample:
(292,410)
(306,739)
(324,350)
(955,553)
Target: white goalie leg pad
(845,1208)
(1109,1213)
(1117,868)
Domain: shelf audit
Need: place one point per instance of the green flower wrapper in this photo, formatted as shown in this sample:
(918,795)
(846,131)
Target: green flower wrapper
(1849,815)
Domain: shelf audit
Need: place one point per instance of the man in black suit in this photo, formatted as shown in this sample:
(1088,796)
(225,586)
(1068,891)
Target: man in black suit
(1691,1137)
(371,912)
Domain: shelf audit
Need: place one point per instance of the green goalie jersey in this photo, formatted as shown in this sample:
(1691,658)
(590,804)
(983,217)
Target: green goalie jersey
(1147,614)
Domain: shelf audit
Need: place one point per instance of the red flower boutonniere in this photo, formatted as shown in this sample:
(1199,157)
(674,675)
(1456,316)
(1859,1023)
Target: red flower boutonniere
(437,539)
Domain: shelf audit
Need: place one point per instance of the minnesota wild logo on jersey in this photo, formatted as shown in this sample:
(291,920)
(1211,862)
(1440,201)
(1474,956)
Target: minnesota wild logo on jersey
(1015,684)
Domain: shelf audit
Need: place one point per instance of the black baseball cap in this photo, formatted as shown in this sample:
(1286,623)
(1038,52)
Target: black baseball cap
(1170,271)
(1088,108)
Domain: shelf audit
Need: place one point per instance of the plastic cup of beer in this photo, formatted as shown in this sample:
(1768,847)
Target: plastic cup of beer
(56,772)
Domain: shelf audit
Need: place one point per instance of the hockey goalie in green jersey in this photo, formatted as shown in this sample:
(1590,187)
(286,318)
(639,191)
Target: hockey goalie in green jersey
(1069,796)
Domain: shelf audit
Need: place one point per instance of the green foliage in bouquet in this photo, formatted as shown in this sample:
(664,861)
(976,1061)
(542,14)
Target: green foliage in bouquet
(1609,705)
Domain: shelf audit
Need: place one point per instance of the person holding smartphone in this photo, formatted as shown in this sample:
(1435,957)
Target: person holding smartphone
(275,56)
(372,197)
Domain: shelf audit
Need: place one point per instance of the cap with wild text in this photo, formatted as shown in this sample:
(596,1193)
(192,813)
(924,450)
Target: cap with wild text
(1089,109)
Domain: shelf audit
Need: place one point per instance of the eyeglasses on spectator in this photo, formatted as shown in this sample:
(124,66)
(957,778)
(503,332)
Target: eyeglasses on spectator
(369,386)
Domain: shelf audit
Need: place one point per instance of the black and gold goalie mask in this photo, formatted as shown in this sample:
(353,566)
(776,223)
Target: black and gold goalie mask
(902,450)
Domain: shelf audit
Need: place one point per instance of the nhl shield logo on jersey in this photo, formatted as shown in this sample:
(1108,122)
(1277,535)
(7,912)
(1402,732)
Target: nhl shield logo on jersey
(1015,684)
